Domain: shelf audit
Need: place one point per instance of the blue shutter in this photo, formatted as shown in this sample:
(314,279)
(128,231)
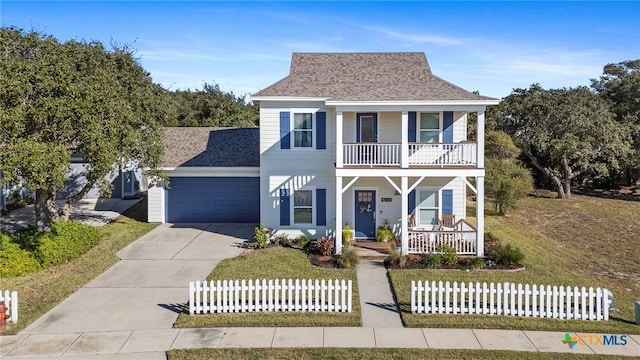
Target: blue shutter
(285,212)
(285,123)
(412,202)
(447,127)
(321,207)
(413,126)
(357,128)
(447,201)
(321,130)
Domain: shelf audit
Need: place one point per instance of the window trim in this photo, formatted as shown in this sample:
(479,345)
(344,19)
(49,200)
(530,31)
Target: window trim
(314,203)
(313,129)
(438,191)
(419,128)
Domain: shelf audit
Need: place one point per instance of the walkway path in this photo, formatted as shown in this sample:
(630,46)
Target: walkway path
(377,304)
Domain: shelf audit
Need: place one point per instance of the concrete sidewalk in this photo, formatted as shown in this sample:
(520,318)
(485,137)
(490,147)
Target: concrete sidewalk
(152,344)
(377,304)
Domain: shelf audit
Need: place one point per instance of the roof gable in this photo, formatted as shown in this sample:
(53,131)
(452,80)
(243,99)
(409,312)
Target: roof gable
(365,77)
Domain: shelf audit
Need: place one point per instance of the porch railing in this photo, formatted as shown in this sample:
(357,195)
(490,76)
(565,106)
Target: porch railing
(462,238)
(377,154)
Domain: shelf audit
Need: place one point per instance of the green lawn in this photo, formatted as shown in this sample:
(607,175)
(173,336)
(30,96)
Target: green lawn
(584,241)
(378,354)
(280,263)
(41,291)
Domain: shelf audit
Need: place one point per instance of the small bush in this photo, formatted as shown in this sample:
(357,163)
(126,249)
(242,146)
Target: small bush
(322,246)
(67,241)
(507,255)
(476,263)
(282,239)
(303,240)
(491,242)
(349,258)
(432,261)
(15,261)
(260,237)
(449,255)
(384,232)
(396,258)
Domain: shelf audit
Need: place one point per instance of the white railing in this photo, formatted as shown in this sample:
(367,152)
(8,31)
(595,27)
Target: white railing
(462,238)
(227,296)
(10,299)
(556,302)
(373,154)
(460,154)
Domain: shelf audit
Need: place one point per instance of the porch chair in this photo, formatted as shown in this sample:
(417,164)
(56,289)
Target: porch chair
(448,221)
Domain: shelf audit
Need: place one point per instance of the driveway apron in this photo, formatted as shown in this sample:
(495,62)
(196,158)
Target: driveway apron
(147,289)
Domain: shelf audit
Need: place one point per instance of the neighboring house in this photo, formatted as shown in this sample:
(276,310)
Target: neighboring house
(364,138)
(214,176)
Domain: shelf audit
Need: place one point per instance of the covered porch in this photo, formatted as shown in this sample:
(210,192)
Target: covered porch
(424,212)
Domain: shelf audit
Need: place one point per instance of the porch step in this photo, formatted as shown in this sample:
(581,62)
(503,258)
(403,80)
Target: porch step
(372,249)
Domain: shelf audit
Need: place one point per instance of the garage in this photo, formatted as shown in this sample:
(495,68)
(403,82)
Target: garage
(213,200)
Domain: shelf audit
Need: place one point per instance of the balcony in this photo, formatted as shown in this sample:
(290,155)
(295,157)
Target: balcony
(418,155)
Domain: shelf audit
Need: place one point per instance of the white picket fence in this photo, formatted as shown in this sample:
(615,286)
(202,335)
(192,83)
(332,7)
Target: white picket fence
(228,296)
(541,301)
(10,299)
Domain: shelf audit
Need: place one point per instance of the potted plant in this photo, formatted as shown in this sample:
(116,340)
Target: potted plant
(347,233)
(384,232)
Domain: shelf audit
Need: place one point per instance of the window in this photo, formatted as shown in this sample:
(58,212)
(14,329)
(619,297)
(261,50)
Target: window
(428,208)
(303,207)
(429,127)
(303,130)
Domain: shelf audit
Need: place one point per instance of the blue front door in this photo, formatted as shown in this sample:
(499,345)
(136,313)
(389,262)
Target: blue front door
(365,214)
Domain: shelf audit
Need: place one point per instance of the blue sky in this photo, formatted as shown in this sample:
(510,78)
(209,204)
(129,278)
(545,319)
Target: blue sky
(492,47)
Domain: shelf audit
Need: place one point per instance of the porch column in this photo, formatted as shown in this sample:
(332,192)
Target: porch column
(480,215)
(339,149)
(404,149)
(338,215)
(480,137)
(404,227)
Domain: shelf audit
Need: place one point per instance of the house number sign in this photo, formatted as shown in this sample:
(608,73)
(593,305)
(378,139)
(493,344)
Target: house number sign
(385,199)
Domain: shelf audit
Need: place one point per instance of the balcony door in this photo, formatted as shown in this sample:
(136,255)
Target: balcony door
(367,128)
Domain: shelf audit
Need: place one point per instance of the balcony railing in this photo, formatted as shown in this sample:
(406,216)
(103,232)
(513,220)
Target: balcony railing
(376,154)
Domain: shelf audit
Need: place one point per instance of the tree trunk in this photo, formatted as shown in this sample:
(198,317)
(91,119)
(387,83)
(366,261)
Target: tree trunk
(45,209)
(66,208)
(560,187)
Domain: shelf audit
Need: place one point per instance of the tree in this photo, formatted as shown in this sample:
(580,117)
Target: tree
(564,133)
(620,85)
(211,107)
(58,99)
(507,181)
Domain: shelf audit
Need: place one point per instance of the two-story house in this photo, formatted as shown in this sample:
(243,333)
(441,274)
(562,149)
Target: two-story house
(364,138)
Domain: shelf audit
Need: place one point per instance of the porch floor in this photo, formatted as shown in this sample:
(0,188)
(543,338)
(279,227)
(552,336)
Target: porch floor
(372,249)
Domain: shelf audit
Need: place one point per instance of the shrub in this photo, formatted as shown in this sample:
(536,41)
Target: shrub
(67,241)
(449,255)
(260,237)
(15,261)
(396,258)
(303,240)
(282,239)
(347,233)
(322,246)
(349,258)
(476,263)
(491,242)
(507,255)
(432,261)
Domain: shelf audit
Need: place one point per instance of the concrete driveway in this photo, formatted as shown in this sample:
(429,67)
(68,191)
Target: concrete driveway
(147,289)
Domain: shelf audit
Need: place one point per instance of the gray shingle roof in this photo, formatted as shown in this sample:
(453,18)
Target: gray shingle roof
(365,77)
(208,146)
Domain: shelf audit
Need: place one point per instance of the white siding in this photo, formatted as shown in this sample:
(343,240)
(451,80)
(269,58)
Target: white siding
(294,168)
(156,203)
(389,127)
(349,127)
(459,127)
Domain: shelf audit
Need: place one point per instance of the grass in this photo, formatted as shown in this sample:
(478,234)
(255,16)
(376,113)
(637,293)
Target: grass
(378,354)
(41,291)
(583,241)
(281,263)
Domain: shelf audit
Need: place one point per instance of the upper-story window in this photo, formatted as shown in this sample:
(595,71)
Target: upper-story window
(429,127)
(303,130)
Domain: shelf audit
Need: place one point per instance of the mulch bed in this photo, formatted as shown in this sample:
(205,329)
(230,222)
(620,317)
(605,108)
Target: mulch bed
(328,262)
(414,262)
